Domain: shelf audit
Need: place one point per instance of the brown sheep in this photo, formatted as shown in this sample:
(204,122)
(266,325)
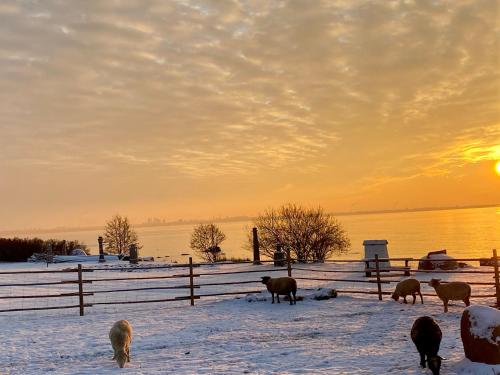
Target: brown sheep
(452,291)
(406,287)
(426,335)
(121,338)
(281,285)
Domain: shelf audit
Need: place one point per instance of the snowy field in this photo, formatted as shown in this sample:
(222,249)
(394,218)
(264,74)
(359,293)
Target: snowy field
(227,335)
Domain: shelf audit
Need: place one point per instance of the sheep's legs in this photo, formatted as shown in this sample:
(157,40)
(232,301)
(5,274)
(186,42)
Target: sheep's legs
(404,299)
(272,294)
(128,354)
(414,298)
(278,296)
(422,360)
(445,302)
(467,301)
(290,298)
(294,298)
(421,298)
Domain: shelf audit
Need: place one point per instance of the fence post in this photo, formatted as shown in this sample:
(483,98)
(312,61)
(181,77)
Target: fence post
(256,251)
(497,277)
(407,271)
(50,255)
(100,241)
(80,289)
(191,281)
(288,263)
(133,256)
(379,285)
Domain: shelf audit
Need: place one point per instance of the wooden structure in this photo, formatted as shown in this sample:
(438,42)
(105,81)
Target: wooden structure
(100,241)
(256,247)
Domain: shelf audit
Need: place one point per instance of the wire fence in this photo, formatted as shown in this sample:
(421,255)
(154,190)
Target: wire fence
(86,287)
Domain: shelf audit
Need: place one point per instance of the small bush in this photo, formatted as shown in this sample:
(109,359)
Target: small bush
(309,233)
(119,235)
(205,241)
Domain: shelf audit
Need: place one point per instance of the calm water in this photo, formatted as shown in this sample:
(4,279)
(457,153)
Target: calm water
(464,233)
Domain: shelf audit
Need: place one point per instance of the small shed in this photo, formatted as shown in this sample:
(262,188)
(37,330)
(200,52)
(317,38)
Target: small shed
(376,247)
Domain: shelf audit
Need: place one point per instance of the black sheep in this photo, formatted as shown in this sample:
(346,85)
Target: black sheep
(426,336)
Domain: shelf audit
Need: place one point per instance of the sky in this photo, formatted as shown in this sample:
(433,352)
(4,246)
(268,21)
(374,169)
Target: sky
(199,109)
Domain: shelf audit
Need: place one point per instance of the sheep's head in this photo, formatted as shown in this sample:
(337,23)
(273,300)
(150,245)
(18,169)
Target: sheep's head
(121,358)
(265,279)
(434,282)
(395,296)
(434,364)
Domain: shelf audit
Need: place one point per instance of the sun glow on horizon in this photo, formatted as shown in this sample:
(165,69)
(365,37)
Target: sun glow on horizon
(497,167)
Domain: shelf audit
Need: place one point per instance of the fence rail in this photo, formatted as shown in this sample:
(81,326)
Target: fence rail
(289,265)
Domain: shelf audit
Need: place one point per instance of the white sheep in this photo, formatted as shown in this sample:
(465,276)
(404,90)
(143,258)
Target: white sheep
(407,287)
(452,291)
(121,338)
(281,285)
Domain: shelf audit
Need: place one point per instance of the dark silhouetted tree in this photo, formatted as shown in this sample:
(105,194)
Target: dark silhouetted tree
(119,235)
(309,233)
(205,241)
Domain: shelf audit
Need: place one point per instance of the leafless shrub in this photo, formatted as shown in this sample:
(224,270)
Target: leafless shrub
(205,241)
(309,233)
(119,235)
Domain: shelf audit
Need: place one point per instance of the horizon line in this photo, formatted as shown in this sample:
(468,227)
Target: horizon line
(242,218)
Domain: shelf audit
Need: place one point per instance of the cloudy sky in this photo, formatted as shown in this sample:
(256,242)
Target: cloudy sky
(195,109)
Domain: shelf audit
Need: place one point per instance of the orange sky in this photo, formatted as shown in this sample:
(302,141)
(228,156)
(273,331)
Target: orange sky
(198,109)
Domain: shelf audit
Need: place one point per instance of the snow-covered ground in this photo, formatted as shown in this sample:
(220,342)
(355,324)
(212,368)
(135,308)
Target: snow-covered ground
(227,335)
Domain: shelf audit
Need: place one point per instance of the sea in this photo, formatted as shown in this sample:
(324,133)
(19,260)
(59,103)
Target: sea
(464,233)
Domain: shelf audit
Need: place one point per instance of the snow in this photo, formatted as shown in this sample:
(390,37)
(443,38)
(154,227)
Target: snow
(79,252)
(322,294)
(438,260)
(318,294)
(227,334)
(466,367)
(77,258)
(483,321)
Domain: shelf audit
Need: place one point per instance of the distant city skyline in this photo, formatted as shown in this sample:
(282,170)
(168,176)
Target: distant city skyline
(201,108)
(151,222)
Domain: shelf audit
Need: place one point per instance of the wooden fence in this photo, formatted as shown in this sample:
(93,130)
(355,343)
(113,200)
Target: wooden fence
(292,267)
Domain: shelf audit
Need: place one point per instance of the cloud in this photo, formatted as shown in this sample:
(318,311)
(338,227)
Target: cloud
(470,146)
(206,89)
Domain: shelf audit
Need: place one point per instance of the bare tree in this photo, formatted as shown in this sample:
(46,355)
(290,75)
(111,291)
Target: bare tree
(309,233)
(119,235)
(205,241)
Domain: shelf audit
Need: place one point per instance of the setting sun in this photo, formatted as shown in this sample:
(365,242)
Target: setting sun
(497,167)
